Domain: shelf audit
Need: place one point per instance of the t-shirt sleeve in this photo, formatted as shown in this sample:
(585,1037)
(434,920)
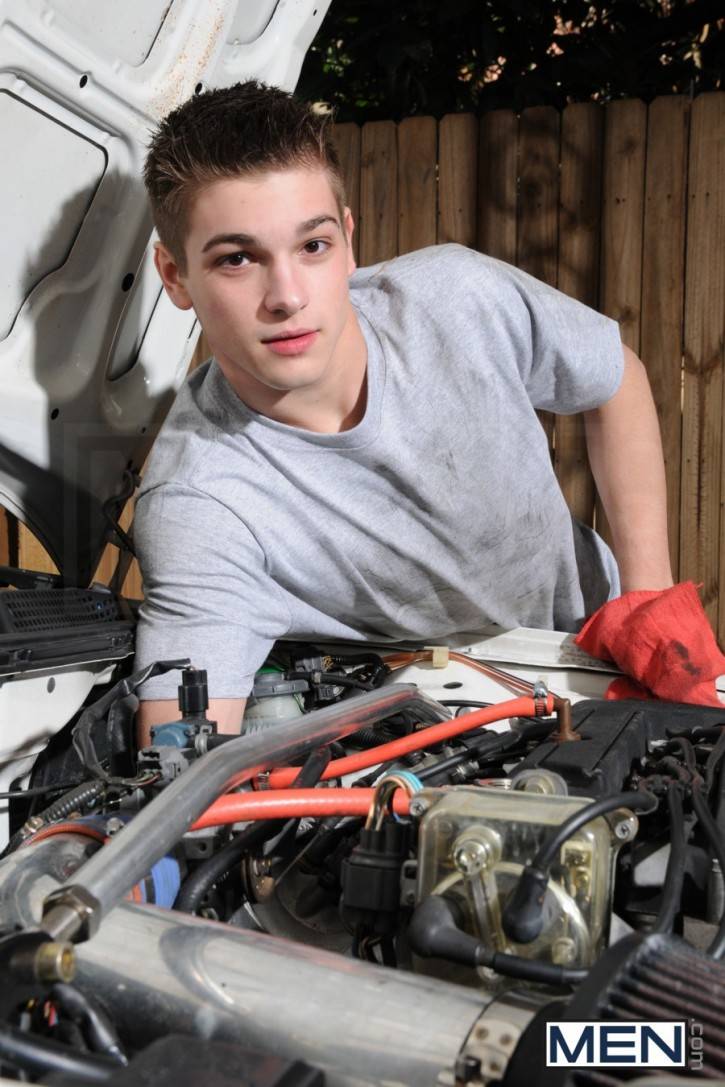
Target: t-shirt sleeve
(569,356)
(207,595)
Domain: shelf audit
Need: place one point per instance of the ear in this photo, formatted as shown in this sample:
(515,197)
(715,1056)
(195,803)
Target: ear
(171,277)
(348,225)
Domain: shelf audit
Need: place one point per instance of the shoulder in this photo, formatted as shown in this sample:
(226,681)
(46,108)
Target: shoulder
(417,267)
(439,272)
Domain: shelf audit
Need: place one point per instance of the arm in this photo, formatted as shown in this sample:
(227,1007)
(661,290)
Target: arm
(227,712)
(625,453)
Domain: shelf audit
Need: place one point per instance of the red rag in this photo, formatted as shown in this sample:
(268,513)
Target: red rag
(662,640)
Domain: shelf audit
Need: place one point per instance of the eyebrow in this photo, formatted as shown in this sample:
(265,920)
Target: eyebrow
(249,239)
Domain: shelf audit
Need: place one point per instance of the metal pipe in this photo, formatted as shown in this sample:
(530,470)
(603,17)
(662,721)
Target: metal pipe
(158,972)
(75,910)
(362,1024)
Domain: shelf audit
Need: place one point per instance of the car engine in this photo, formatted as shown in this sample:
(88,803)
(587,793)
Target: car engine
(371,884)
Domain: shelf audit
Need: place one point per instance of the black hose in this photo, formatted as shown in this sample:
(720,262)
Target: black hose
(523,915)
(675,874)
(98,1030)
(717,843)
(40,1056)
(212,870)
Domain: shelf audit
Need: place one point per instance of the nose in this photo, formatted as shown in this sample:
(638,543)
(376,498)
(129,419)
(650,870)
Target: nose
(285,292)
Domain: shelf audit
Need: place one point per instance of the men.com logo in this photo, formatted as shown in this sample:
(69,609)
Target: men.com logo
(615,1045)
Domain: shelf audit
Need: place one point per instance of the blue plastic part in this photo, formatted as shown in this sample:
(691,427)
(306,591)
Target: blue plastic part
(166,876)
(176,734)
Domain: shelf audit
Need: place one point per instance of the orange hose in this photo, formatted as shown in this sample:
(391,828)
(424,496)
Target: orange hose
(293,804)
(426,737)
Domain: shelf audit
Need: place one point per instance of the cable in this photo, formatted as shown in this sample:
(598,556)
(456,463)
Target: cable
(38,790)
(675,874)
(427,737)
(463,704)
(714,836)
(434,932)
(384,793)
(83,1010)
(523,916)
(39,1056)
(635,801)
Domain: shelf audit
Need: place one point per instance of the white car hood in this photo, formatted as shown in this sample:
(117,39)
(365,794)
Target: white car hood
(91,350)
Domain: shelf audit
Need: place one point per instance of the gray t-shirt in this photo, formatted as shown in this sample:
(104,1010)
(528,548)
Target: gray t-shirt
(437,515)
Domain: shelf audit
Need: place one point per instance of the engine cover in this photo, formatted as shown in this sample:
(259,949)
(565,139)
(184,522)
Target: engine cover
(614,735)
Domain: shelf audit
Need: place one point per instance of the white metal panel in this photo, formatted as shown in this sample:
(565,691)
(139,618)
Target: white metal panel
(92,351)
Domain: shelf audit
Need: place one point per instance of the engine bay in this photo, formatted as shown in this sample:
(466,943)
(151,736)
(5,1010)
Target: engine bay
(406,862)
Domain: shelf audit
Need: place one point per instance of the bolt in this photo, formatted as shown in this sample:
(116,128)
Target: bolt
(481,1033)
(113,825)
(625,825)
(55,961)
(471,857)
(418,806)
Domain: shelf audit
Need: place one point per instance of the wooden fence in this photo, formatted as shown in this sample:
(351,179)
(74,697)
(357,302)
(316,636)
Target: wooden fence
(621,206)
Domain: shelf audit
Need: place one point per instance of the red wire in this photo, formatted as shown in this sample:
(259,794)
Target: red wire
(293,804)
(426,737)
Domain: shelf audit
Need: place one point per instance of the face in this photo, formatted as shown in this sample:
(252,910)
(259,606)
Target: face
(268,261)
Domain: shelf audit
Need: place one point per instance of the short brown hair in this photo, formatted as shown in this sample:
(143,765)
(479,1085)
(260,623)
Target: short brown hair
(237,130)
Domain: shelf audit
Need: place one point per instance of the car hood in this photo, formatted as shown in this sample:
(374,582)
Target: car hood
(91,349)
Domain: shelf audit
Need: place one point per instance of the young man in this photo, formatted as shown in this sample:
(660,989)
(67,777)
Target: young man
(363,459)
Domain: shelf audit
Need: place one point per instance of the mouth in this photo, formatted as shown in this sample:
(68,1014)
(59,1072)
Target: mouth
(293,342)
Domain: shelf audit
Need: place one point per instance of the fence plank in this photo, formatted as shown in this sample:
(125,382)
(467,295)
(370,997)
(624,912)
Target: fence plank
(625,136)
(538,203)
(346,138)
(31,553)
(702,445)
(6,529)
(578,276)
(378,192)
(417,194)
(497,184)
(457,170)
(663,274)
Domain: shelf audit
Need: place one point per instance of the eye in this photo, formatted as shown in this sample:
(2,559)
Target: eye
(234,260)
(315,246)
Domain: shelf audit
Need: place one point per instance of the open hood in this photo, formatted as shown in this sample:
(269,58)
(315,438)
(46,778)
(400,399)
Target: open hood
(91,350)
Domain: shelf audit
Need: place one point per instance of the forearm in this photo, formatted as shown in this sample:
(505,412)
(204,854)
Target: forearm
(625,453)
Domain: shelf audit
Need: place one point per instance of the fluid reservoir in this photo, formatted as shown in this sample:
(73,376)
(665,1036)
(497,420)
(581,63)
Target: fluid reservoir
(273,699)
